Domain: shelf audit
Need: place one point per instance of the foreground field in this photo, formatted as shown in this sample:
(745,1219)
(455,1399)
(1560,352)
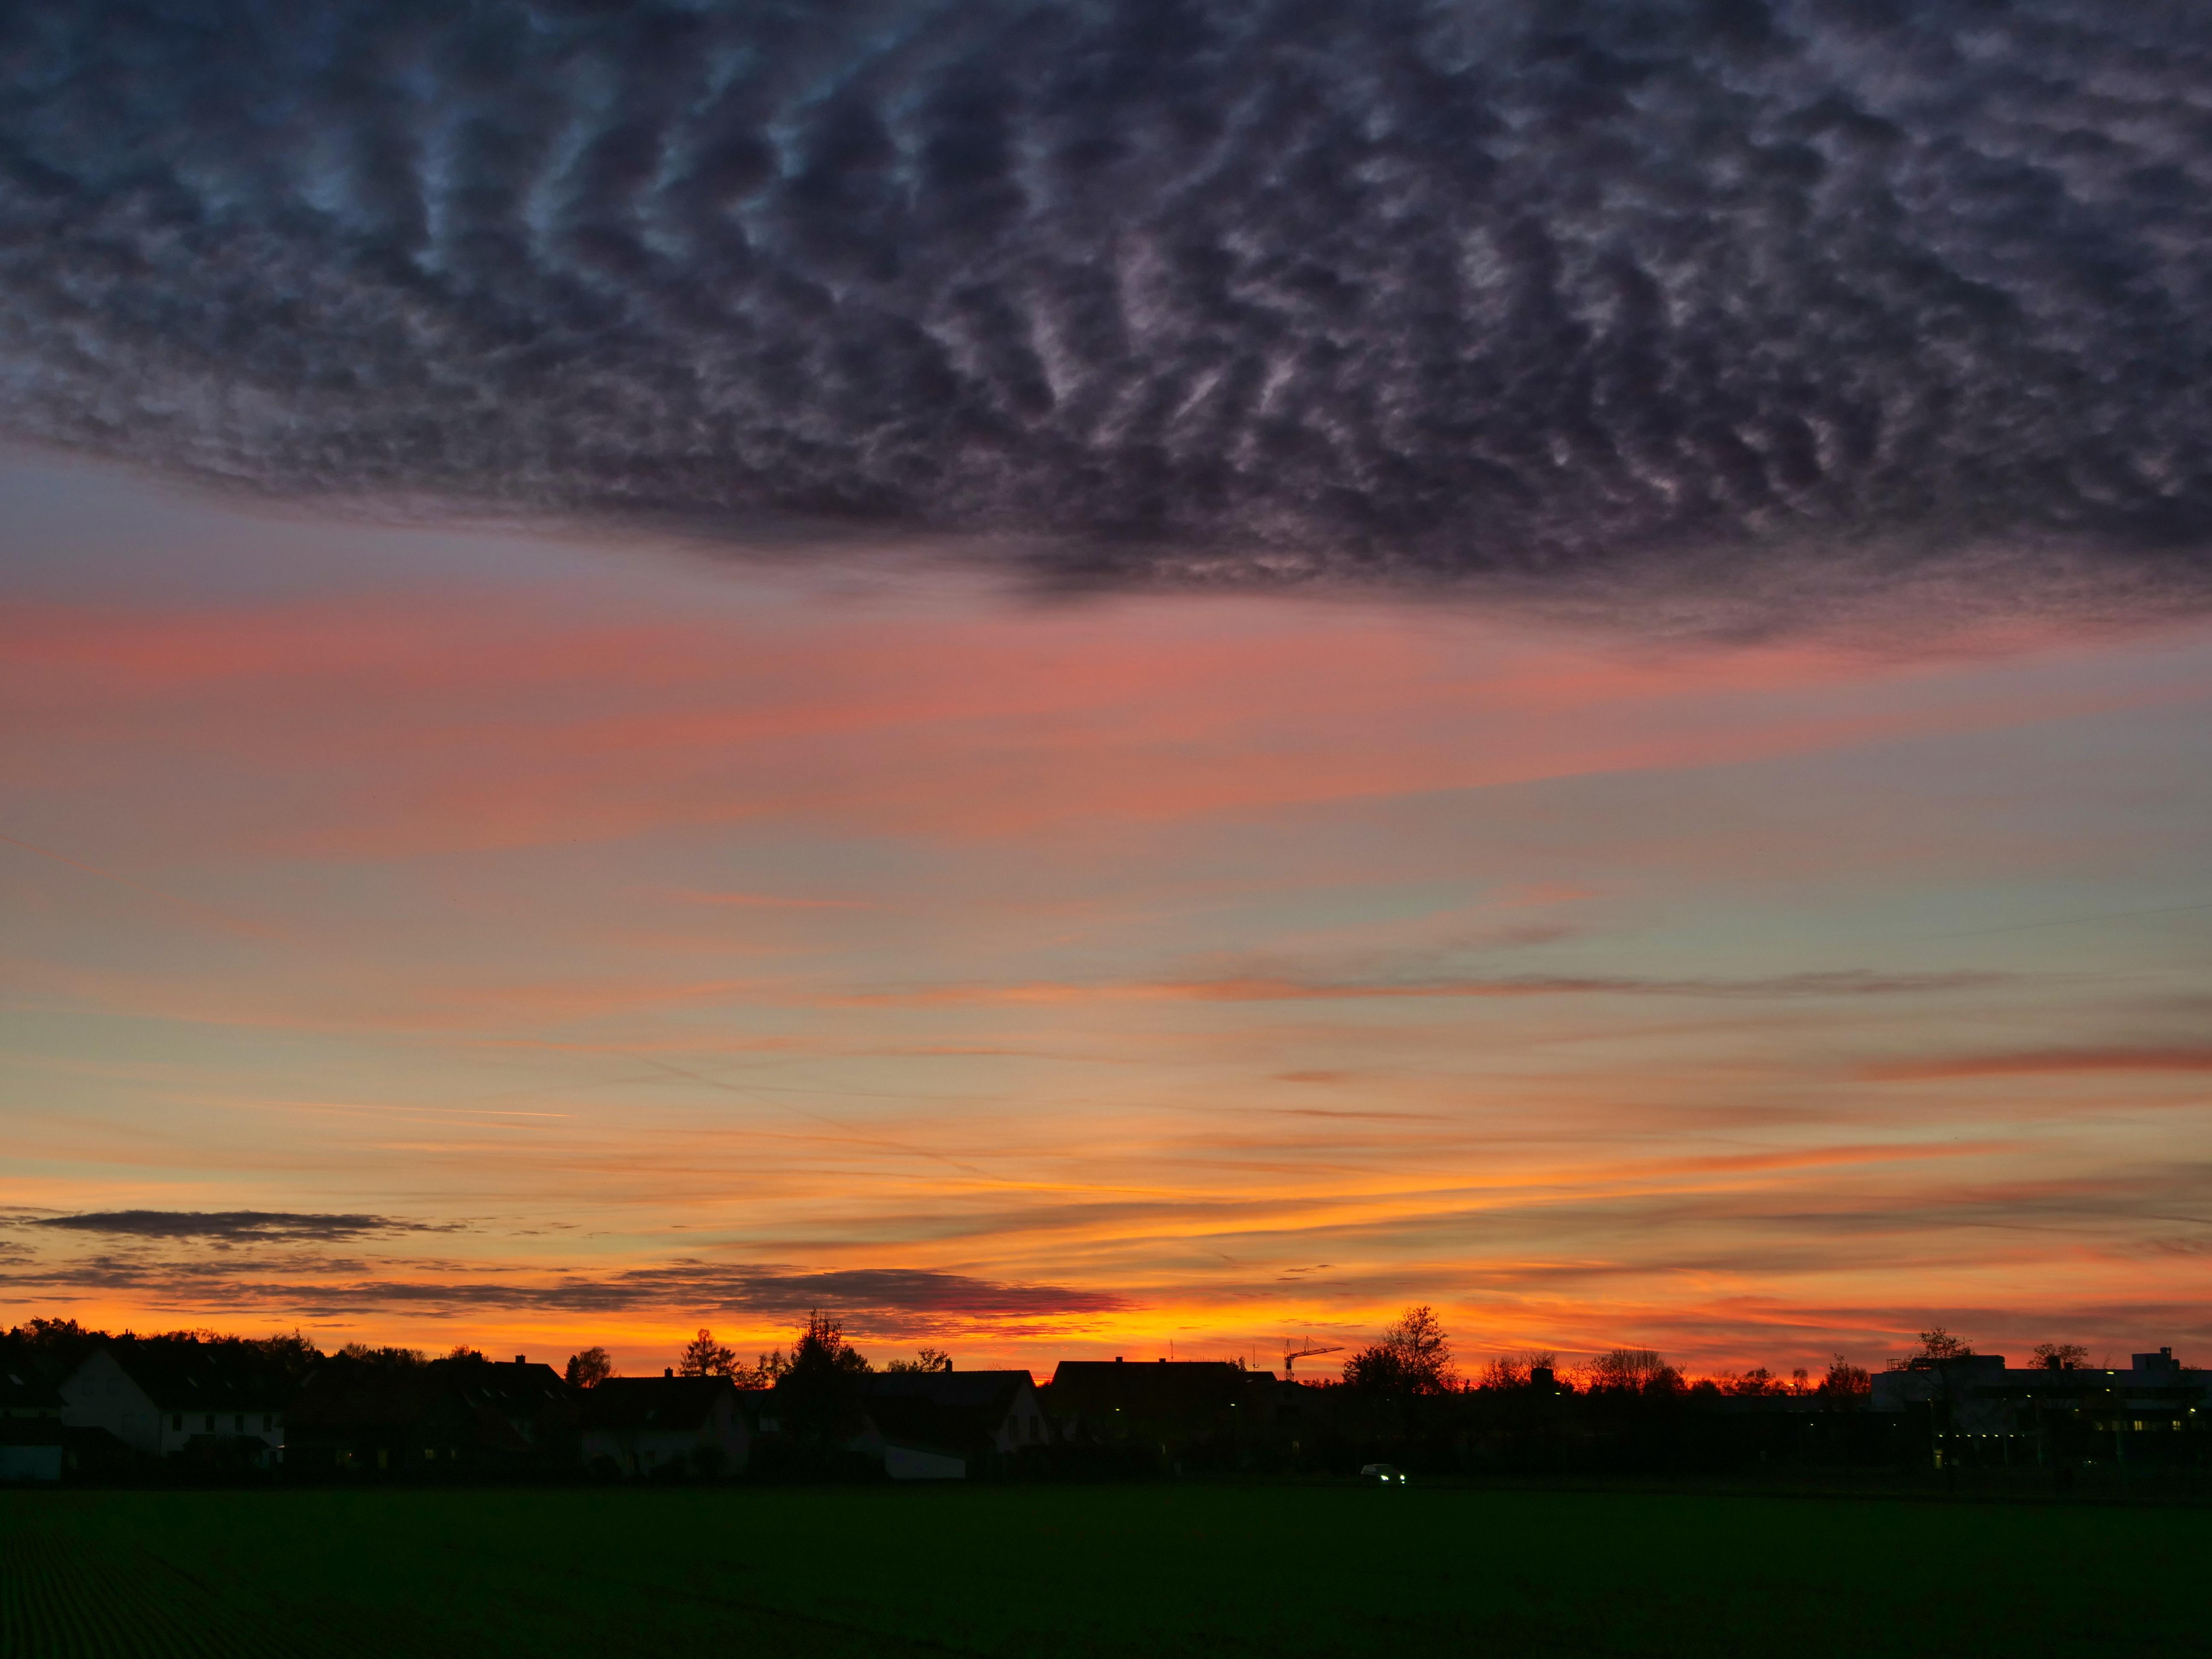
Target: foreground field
(1218,1571)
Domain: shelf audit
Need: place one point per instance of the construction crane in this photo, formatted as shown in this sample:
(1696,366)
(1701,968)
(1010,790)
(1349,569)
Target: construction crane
(1291,1356)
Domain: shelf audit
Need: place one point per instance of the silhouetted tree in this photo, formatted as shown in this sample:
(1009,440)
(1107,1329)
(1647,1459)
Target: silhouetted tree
(1940,1344)
(926,1359)
(704,1357)
(1756,1383)
(2060,1356)
(1412,1358)
(1846,1386)
(54,1333)
(590,1368)
(819,1388)
(54,1346)
(1506,1372)
(1638,1371)
(385,1358)
(291,1353)
(462,1350)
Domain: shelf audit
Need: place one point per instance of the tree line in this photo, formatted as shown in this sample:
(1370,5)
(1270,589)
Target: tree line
(1412,1358)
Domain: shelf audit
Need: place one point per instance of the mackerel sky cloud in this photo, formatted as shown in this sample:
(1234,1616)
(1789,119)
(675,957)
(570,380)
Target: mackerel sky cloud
(1744,309)
(1071,678)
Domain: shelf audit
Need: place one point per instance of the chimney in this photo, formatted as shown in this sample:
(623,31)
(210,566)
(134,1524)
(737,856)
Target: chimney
(668,1371)
(1540,1376)
(1117,1358)
(518,1360)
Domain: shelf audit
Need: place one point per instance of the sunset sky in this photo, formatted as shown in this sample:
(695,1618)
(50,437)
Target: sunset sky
(1071,681)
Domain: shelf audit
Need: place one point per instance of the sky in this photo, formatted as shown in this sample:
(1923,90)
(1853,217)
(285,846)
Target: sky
(1130,679)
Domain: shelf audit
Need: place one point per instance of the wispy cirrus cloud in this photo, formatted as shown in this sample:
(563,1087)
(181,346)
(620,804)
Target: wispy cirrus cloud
(1843,983)
(1758,303)
(2049,1062)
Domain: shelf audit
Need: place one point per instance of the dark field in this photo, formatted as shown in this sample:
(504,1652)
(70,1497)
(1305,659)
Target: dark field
(1216,1571)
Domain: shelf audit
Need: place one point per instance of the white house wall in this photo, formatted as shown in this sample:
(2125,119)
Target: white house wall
(100,1395)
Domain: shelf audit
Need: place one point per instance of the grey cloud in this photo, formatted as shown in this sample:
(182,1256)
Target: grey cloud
(230,1226)
(1839,983)
(1759,303)
(882,1299)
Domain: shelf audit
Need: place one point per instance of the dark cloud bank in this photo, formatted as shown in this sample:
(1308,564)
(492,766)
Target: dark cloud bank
(260,1226)
(890,1298)
(1725,297)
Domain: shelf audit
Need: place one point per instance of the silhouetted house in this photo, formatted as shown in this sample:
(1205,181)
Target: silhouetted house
(645,1425)
(535,1401)
(213,1401)
(1172,1406)
(1979,1410)
(449,1418)
(945,1425)
(31,1429)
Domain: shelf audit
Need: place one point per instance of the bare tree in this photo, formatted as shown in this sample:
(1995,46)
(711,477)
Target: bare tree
(1506,1372)
(1635,1371)
(1940,1344)
(925,1359)
(2060,1356)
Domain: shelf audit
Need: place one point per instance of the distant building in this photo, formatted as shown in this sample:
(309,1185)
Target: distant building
(1979,1410)
(534,1400)
(217,1401)
(31,1427)
(945,1425)
(450,1418)
(1167,1406)
(635,1427)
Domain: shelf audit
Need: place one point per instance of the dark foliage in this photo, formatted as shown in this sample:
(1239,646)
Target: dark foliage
(590,1368)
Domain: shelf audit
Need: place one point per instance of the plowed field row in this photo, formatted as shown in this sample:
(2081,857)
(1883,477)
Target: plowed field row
(62,1599)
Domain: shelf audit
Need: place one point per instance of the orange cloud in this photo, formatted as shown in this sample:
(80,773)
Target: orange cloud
(2048,1063)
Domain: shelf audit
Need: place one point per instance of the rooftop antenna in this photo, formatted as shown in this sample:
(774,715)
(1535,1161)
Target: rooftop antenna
(1291,1356)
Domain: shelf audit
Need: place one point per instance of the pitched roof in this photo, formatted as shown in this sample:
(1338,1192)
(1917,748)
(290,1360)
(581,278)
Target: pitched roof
(514,1389)
(346,1398)
(1161,1386)
(348,1394)
(677,1403)
(962,1389)
(22,1389)
(202,1375)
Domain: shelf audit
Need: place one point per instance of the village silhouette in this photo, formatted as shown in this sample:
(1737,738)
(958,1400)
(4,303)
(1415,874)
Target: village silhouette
(84,1406)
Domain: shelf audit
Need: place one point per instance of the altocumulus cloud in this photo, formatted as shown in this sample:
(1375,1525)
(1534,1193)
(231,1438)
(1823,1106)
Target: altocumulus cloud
(1805,296)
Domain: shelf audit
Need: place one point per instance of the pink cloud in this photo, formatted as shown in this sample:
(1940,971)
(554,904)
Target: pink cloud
(451,720)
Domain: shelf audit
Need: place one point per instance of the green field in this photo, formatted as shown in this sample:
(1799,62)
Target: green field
(1169,1569)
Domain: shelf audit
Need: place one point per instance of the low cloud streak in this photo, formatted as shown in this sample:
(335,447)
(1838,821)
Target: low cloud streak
(233,1226)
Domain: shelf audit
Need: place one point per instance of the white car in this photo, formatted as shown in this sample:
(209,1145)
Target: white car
(1387,1474)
